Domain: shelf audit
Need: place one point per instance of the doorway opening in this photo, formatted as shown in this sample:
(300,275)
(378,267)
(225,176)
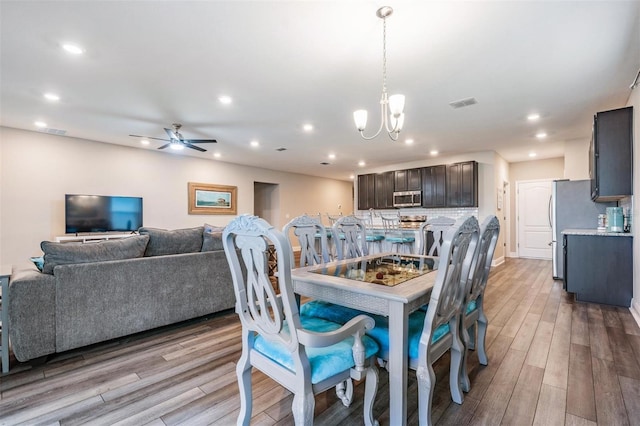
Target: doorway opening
(266,202)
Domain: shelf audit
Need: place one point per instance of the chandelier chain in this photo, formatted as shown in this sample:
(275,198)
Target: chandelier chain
(384,55)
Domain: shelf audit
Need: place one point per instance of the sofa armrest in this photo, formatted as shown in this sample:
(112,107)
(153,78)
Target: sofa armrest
(32,314)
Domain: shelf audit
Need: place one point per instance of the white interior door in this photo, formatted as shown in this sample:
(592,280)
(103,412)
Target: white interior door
(534,227)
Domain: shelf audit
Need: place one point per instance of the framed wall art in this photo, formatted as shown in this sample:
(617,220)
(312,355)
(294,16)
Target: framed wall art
(205,198)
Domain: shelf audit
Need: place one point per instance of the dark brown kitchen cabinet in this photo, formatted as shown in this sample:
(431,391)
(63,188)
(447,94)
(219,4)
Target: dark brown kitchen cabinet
(384,185)
(366,191)
(434,186)
(611,156)
(599,269)
(462,184)
(408,180)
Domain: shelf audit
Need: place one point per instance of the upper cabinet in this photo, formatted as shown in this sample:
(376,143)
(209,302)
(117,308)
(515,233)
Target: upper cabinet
(462,184)
(366,191)
(408,180)
(610,155)
(434,186)
(384,183)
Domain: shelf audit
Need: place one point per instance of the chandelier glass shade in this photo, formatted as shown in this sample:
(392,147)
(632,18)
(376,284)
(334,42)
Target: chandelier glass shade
(391,107)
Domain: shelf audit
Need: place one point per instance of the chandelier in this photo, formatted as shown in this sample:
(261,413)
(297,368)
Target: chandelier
(391,107)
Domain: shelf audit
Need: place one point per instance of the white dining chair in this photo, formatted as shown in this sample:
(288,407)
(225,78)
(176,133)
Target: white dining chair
(437,226)
(375,237)
(350,236)
(312,239)
(473,314)
(306,355)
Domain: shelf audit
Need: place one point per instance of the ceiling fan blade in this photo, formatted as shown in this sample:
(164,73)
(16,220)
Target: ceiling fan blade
(197,148)
(172,134)
(201,140)
(149,137)
(164,146)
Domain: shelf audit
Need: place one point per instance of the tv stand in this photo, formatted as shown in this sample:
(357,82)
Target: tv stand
(92,238)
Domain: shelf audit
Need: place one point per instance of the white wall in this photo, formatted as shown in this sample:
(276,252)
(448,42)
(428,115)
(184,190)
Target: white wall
(37,170)
(576,159)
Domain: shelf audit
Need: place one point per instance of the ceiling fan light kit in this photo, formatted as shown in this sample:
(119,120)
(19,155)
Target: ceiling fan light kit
(391,107)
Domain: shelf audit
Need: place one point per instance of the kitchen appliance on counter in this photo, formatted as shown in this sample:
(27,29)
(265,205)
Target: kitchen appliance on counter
(615,222)
(571,206)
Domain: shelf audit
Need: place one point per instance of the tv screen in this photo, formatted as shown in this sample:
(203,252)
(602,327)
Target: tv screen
(99,213)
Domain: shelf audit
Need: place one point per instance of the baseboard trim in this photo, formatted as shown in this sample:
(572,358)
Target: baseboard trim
(513,254)
(635,310)
(497,262)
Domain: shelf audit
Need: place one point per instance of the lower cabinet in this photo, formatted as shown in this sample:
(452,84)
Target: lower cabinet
(599,269)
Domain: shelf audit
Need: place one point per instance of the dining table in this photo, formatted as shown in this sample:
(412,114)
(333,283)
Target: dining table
(389,284)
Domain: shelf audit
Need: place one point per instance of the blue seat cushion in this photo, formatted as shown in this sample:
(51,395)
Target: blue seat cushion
(375,238)
(400,239)
(324,362)
(342,314)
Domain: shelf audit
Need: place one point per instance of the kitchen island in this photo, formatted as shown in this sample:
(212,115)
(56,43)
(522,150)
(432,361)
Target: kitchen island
(598,266)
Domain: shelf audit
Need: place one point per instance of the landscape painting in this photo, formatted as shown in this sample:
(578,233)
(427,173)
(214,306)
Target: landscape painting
(207,198)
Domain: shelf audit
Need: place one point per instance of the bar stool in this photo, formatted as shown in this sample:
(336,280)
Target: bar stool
(393,234)
(373,236)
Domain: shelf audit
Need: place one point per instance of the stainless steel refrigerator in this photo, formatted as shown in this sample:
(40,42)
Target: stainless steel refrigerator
(571,207)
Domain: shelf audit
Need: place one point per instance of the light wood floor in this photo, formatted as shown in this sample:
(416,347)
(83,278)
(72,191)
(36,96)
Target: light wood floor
(551,362)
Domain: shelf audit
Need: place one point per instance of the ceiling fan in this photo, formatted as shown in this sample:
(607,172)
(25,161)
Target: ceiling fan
(177,141)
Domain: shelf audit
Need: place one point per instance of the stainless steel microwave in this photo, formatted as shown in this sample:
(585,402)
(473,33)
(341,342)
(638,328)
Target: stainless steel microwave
(407,199)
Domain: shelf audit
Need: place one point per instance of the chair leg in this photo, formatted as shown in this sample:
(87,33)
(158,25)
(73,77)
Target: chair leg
(302,408)
(482,334)
(465,383)
(472,336)
(426,384)
(370,391)
(243,371)
(455,369)
(344,391)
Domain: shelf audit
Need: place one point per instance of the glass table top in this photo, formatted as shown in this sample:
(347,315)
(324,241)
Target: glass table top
(389,270)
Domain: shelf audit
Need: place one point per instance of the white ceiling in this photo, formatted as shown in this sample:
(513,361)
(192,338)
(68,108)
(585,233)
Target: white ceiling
(151,63)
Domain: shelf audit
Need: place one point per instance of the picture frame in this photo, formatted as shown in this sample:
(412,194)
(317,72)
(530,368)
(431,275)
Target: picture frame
(205,198)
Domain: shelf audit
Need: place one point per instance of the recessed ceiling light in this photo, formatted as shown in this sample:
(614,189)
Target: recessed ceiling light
(409,141)
(533,117)
(433,152)
(361,163)
(254,143)
(224,99)
(532,154)
(40,124)
(352,177)
(217,155)
(541,135)
(144,142)
(74,49)
(332,156)
(51,97)
(307,127)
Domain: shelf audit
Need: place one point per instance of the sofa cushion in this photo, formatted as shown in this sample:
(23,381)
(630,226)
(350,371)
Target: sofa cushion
(163,242)
(72,253)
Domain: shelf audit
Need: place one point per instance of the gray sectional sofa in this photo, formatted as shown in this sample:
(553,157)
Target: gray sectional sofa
(89,293)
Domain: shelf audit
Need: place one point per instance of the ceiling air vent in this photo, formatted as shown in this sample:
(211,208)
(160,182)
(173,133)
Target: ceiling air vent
(324,163)
(463,103)
(57,132)
(281,149)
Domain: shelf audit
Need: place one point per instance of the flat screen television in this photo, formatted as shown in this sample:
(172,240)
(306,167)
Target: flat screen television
(100,213)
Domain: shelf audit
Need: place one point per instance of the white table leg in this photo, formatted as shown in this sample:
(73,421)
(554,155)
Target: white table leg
(398,363)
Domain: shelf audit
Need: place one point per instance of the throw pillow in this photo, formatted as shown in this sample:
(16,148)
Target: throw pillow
(163,242)
(69,253)
(212,241)
(38,261)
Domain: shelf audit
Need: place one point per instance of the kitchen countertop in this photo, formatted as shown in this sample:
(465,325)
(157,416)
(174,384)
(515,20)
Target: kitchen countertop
(595,232)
